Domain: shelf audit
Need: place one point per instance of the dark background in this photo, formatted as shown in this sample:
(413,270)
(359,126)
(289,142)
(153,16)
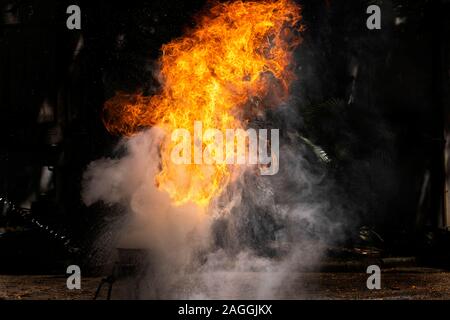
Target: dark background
(383,126)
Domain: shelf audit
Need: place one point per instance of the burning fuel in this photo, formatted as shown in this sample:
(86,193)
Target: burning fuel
(216,214)
(221,74)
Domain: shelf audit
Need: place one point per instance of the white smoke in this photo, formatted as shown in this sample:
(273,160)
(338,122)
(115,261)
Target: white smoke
(253,241)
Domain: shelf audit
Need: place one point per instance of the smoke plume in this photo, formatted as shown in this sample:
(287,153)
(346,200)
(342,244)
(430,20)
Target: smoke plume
(256,232)
(251,242)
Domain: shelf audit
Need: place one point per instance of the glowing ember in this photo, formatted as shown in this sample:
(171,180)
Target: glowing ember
(237,52)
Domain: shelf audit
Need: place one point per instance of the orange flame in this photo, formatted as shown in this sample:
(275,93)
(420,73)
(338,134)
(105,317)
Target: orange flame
(238,51)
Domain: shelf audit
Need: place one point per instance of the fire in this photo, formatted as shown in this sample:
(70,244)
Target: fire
(219,73)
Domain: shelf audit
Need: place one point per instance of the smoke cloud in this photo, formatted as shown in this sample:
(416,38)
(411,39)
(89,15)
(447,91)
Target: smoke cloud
(254,239)
(251,242)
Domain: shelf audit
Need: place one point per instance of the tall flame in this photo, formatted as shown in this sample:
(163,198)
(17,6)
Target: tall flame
(239,51)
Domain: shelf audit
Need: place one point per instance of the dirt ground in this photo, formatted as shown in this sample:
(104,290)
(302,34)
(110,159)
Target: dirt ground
(406,283)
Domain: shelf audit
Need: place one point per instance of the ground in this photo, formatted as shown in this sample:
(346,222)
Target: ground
(397,283)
